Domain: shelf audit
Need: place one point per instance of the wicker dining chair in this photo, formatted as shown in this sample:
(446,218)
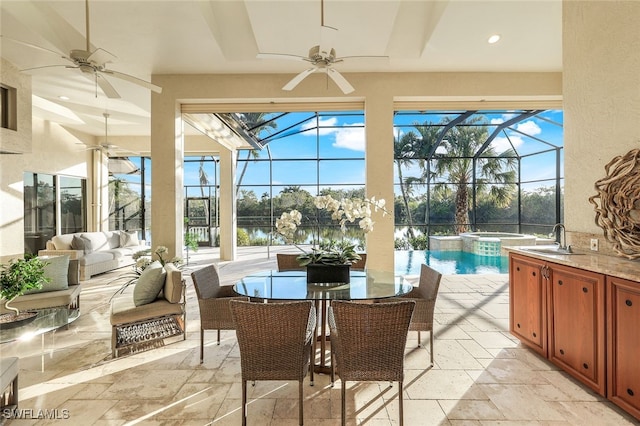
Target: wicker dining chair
(425,297)
(288,262)
(213,301)
(359,265)
(275,341)
(368,342)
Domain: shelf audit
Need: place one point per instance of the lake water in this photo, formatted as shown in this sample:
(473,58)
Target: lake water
(407,262)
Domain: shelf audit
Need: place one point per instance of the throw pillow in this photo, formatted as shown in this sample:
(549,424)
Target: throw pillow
(129,239)
(149,284)
(57,270)
(81,243)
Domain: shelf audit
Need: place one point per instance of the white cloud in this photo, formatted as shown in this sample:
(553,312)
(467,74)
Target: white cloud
(500,144)
(326,126)
(502,119)
(350,137)
(529,127)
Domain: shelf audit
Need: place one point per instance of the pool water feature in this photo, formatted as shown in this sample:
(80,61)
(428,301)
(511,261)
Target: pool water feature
(480,243)
(407,262)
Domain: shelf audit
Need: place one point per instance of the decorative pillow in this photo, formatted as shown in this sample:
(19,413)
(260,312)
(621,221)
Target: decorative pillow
(57,270)
(114,239)
(129,239)
(149,284)
(81,243)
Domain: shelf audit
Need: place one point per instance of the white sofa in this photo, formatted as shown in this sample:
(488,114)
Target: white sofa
(97,252)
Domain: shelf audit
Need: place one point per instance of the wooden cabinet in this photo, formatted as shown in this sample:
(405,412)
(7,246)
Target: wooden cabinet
(559,311)
(527,302)
(623,344)
(576,324)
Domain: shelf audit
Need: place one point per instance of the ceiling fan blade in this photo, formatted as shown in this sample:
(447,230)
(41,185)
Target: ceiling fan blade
(281,56)
(46,66)
(298,78)
(134,80)
(342,82)
(106,87)
(328,37)
(101,56)
(34,46)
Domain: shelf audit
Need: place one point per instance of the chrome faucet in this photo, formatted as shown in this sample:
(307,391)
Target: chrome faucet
(563,237)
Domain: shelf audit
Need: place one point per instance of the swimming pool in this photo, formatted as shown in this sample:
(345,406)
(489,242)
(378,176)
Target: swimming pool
(407,262)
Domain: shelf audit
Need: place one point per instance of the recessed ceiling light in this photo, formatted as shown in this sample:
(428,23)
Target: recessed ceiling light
(63,98)
(494,39)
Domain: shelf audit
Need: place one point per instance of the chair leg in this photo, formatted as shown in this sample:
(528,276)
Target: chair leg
(301,397)
(400,401)
(244,402)
(419,340)
(201,346)
(218,337)
(343,412)
(431,345)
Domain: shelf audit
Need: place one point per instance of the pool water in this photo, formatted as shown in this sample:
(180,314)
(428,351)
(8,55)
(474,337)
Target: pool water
(407,262)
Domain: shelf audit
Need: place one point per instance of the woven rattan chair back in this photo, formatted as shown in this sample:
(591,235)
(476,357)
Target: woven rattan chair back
(360,265)
(368,342)
(275,341)
(213,301)
(425,297)
(288,262)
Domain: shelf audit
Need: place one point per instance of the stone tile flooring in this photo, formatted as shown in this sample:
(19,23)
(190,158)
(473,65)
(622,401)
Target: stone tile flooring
(482,375)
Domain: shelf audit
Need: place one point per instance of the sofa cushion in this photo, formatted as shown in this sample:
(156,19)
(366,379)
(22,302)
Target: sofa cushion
(124,311)
(149,284)
(172,290)
(96,257)
(80,242)
(57,270)
(99,241)
(113,237)
(47,300)
(62,242)
(129,239)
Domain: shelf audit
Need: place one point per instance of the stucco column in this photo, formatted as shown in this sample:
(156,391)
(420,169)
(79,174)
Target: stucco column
(379,175)
(167,150)
(228,216)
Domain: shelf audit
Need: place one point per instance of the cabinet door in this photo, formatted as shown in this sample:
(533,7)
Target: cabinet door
(623,373)
(577,324)
(527,294)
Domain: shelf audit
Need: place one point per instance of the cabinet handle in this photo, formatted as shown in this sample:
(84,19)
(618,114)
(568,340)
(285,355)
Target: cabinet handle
(561,351)
(518,268)
(630,392)
(518,325)
(534,335)
(585,290)
(534,273)
(559,282)
(628,302)
(585,366)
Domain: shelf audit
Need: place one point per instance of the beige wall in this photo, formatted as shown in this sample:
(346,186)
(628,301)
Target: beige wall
(377,90)
(601,80)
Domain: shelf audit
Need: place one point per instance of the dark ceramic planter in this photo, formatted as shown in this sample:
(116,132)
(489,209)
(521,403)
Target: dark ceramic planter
(318,273)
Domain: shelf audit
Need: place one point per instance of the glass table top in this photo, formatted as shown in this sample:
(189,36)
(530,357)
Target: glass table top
(292,285)
(46,320)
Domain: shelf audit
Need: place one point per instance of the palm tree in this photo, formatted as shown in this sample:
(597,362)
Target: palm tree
(404,154)
(455,160)
(255,123)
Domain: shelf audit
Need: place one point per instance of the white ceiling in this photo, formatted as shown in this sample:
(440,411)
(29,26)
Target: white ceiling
(223,36)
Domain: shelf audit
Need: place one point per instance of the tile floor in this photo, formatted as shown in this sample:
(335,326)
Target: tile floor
(482,375)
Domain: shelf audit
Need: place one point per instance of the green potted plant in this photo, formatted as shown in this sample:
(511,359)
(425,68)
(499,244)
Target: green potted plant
(331,257)
(16,278)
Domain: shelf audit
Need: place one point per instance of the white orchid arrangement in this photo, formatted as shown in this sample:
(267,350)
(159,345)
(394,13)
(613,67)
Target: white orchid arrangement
(344,211)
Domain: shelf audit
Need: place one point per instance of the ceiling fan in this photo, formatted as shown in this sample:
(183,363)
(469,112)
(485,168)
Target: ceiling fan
(108,148)
(92,63)
(321,56)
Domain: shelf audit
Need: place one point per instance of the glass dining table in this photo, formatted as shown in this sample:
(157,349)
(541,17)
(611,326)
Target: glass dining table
(292,285)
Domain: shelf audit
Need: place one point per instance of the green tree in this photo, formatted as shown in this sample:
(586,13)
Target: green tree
(404,154)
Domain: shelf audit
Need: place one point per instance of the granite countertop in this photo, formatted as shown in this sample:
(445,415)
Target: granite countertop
(587,260)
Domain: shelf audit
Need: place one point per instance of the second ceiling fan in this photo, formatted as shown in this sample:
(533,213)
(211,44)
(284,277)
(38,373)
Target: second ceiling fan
(321,56)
